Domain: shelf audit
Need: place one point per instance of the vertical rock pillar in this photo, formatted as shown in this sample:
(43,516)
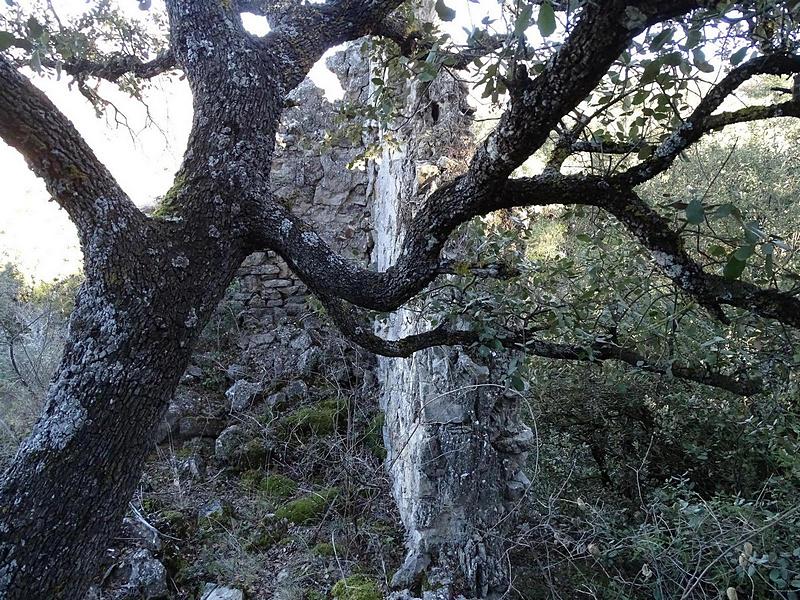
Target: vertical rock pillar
(455,444)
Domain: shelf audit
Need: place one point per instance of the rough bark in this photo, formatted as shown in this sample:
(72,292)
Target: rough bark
(65,495)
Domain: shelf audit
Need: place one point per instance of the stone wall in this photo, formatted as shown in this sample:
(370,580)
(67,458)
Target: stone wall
(311,174)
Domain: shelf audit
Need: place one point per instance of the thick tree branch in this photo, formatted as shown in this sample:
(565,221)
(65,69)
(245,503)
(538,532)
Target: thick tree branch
(598,39)
(353,323)
(702,120)
(276,228)
(667,249)
(119,65)
(58,154)
(303,33)
(418,263)
(601,35)
(413,43)
(712,123)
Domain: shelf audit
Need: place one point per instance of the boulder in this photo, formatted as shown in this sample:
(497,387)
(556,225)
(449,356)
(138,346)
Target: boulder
(229,443)
(241,394)
(148,578)
(143,534)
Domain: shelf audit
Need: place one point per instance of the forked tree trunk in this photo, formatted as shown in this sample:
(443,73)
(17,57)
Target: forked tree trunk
(151,286)
(455,444)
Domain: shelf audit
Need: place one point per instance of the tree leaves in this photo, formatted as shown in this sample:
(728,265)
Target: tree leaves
(523,20)
(695,212)
(6,40)
(734,267)
(444,12)
(738,56)
(546,20)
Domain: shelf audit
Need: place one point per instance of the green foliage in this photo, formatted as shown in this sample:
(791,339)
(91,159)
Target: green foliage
(322,418)
(277,486)
(266,537)
(309,508)
(357,587)
(40,34)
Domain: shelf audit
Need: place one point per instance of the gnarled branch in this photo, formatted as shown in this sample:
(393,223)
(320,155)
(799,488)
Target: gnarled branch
(354,324)
(701,120)
(119,65)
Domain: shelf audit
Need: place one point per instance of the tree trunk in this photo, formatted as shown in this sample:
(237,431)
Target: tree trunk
(129,342)
(455,445)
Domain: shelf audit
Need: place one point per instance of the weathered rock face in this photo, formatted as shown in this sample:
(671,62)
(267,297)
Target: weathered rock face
(446,424)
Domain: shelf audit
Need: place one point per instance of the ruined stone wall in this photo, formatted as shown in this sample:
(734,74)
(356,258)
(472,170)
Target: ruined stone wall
(312,174)
(455,444)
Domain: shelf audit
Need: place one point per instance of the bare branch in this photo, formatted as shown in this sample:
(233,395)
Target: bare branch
(58,154)
(712,123)
(608,147)
(119,65)
(412,42)
(353,323)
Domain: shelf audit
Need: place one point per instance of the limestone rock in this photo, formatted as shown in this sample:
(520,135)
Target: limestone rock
(193,467)
(214,508)
(237,447)
(296,390)
(142,533)
(228,443)
(212,591)
(148,576)
(193,373)
(199,426)
(241,394)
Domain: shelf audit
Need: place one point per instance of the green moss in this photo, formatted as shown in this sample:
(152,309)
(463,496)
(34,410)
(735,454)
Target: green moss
(251,479)
(323,549)
(151,505)
(266,537)
(357,587)
(321,419)
(175,563)
(183,452)
(313,595)
(277,486)
(175,522)
(256,451)
(76,174)
(307,509)
(169,204)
